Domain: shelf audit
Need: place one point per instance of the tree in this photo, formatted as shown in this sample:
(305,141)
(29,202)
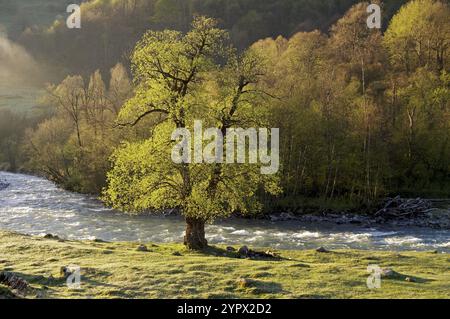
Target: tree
(419,36)
(119,88)
(359,50)
(69,97)
(179,81)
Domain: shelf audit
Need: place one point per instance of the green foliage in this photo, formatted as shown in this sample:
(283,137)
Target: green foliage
(72,147)
(111,28)
(178,81)
(359,127)
(418,36)
(361,114)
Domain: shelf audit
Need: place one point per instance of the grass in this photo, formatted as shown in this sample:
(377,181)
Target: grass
(118,270)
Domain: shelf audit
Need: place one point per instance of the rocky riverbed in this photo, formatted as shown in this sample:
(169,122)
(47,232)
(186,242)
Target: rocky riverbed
(436,219)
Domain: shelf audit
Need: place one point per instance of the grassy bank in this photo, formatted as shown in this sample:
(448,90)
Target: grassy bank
(118,270)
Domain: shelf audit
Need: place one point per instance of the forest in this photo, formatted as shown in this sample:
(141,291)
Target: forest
(363,113)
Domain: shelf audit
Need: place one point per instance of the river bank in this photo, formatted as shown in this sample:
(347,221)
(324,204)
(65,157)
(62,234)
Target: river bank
(35,206)
(430,213)
(170,271)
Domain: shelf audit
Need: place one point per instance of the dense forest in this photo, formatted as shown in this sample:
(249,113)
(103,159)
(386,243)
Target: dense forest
(111,28)
(363,113)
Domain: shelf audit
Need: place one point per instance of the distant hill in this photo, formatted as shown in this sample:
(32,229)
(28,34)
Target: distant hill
(17,15)
(110,28)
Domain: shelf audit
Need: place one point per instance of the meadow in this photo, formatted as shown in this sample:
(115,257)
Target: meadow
(120,270)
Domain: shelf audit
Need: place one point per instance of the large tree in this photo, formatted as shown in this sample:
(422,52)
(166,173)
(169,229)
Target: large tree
(181,78)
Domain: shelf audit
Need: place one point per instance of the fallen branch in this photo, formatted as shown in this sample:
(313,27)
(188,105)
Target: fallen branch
(398,207)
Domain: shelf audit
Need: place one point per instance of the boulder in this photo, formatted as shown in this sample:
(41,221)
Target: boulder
(50,236)
(389,274)
(243,251)
(142,248)
(322,250)
(4,185)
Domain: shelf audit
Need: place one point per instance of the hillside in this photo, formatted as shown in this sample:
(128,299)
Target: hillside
(17,15)
(111,28)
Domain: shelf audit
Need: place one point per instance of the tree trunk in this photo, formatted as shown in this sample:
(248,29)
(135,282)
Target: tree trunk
(195,234)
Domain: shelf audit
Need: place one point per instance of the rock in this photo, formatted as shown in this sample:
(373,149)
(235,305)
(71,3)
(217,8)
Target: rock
(282,217)
(97,240)
(322,250)
(177,254)
(41,294)
(287,216)
(389,274)
(53,237)
(271,254)
(243,251)
(273,218)
(231,249)
(4,185)
(14,282)
(142,248)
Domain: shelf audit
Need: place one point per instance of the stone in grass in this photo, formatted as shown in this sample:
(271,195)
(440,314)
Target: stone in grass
(177,254)
(142,248)
(100,241)
(389,274)
(322,250)
(409,279)
(51,236)
(231,249)
(243,251)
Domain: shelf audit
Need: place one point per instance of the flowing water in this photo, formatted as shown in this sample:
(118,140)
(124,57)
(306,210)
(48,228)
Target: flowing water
(35,206)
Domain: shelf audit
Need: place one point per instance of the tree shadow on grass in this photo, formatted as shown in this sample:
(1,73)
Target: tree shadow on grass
(50,281)
(220,252)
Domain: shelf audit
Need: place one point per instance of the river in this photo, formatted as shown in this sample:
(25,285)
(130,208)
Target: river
(35,206)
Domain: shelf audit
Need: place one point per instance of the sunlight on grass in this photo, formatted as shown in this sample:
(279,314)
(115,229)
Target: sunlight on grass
(118,270)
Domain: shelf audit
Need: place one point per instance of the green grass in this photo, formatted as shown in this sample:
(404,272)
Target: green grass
(118,270)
